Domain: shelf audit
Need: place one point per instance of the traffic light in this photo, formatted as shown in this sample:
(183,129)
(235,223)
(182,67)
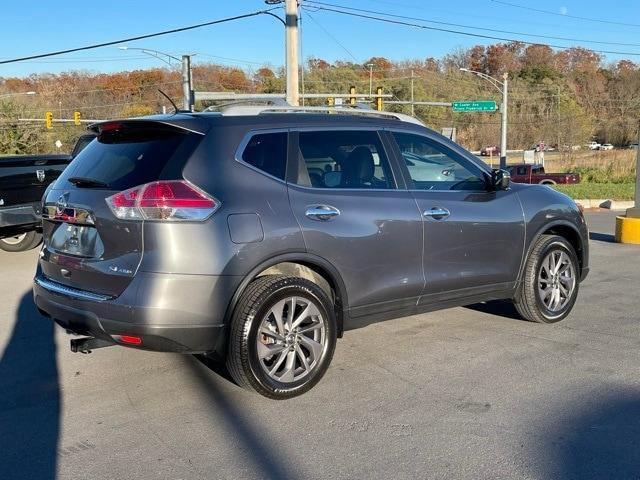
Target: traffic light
(379,99)
(352,91)
(48,120)
(76,118)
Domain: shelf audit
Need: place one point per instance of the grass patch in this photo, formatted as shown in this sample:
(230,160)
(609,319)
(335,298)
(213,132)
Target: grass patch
(607,191)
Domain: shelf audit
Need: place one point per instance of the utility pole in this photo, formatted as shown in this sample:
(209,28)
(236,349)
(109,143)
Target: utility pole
(503,130)
(187,89)
(291,27)
(413,113)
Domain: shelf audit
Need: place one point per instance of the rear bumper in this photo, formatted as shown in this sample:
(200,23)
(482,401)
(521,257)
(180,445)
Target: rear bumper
(15,219)
(189,320)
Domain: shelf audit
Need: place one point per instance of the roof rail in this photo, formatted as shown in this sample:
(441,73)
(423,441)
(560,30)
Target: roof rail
(238,110)
(257,101)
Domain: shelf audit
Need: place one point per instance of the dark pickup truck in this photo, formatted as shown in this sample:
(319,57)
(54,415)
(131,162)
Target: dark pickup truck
(23,180)
(527,173)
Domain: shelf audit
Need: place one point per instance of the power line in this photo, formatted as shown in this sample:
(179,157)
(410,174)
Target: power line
(140,37)
(509,32)
(549,12)
(457,32)
(330,35)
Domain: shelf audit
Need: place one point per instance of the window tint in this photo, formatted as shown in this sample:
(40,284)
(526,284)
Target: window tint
(522,170)
(268,152)
(433,167)
(343,159)
(132,156)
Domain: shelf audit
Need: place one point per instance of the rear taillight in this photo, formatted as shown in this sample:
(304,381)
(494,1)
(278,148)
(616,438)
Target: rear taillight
(172,200)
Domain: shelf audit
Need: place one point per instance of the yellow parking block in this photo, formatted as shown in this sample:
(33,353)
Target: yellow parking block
(627,230)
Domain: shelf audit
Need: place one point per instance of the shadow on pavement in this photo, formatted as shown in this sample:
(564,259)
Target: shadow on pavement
(29,398)
(240,422)
(594,443)
(602,237)
(502,308)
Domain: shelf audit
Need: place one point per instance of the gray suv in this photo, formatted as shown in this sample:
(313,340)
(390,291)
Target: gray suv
(261,234)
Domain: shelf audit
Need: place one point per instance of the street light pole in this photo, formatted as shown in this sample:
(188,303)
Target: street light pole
(187,76)
(503,130)
(413,112)
(502,87)
(370,65)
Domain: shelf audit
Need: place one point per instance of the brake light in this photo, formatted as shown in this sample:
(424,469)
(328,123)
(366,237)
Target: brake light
(110,127)
(172,200)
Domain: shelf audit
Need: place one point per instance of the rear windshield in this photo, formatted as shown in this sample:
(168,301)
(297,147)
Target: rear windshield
(132,157)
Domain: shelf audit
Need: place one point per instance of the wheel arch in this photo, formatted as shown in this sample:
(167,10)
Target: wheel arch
(563,229)
(304,265)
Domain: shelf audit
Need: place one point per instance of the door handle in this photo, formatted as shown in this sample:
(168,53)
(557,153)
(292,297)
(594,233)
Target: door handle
(322,212)
(437,213)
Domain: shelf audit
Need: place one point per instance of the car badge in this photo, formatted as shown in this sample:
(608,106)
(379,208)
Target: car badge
(40,175)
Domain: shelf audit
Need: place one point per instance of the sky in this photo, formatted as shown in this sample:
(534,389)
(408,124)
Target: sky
(33,27)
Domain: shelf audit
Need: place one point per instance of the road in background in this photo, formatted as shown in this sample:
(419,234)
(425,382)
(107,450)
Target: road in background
(465,393)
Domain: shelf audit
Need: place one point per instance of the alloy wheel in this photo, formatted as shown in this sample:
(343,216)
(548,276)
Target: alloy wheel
(556,280)
(15,240)
(291,339)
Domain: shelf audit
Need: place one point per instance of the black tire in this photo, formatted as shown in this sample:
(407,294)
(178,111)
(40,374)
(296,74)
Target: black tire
(527,300)
(254,304)
(29,241)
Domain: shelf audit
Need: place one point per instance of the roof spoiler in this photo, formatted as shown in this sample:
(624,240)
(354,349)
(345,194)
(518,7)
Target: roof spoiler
(180,123)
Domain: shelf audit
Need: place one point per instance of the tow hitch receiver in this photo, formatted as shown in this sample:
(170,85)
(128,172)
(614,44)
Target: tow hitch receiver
(87,344)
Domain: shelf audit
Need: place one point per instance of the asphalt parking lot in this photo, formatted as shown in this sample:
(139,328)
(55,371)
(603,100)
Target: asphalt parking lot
(463,393)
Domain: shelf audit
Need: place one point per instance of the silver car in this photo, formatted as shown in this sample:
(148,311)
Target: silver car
(260,237)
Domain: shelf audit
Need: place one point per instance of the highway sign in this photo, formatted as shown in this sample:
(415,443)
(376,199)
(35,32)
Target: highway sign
(475,106)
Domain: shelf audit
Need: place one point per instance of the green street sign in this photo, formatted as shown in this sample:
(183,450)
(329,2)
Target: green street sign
(478,106)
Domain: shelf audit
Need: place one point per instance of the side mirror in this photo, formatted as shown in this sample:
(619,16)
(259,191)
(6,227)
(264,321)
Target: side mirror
(500,179)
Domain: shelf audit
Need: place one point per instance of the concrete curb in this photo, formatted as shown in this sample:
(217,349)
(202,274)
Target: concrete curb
(605,203)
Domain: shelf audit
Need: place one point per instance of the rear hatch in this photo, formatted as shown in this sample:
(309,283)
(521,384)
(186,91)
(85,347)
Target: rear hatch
(24,178)
(86,246)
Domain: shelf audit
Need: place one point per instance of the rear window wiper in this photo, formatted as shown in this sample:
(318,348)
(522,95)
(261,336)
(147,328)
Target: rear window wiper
(86,182)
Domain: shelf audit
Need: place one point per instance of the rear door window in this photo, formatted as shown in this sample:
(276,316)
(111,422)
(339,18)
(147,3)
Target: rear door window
(133,156)
(343,159)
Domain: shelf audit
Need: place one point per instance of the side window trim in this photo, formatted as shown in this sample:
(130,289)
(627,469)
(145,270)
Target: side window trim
(247,138)
(461,159)
(397,179)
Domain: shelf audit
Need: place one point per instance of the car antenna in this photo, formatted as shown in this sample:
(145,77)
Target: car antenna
(175,107)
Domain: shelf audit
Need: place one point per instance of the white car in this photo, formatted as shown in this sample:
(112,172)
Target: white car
(593,145)
(605,146)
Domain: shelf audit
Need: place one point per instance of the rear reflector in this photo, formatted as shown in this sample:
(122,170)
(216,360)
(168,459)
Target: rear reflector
(172,200)
(130,339)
